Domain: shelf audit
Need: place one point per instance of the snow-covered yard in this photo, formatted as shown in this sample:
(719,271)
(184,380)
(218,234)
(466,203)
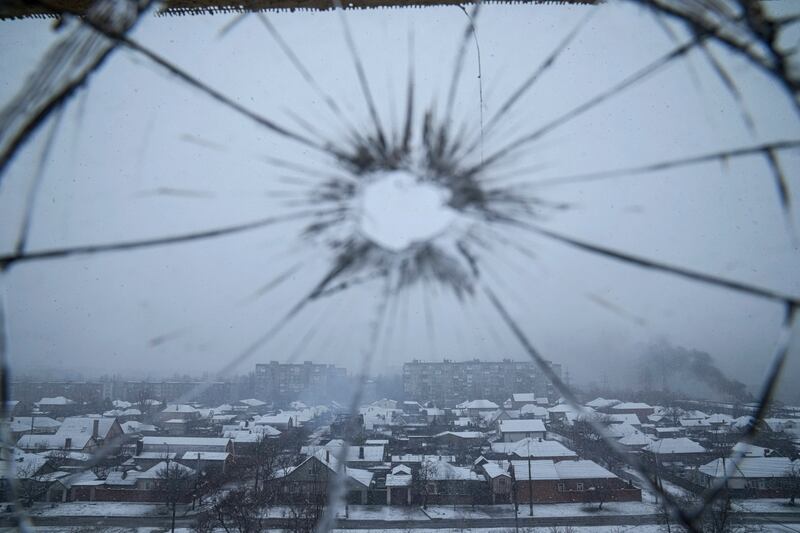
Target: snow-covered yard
(99,509)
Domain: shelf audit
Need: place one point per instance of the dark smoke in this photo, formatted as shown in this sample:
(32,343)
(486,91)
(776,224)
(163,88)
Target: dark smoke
(676,368)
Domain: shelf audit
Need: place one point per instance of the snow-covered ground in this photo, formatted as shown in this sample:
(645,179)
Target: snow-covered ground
(580,529)
(559,509)
(767,505)
(99,509)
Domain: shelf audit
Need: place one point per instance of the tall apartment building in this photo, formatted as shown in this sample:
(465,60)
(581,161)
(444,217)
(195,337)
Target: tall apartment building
(450,382)
(309,382)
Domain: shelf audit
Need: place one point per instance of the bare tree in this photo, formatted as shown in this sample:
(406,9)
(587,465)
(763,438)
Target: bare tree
(174,482)
(240,510)
(793,481)
(421,481)
(31,485)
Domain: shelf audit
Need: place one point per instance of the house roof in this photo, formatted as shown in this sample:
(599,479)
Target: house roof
(185,441)
(635,439)
(522,426)
(53,442)
(536,447)
(372,454)
(719,418)
(252,402)
(678,445)
(548,470)
(441,470)
(478,404)
(23,423)
(748,467)
(57,400)
(400,477)
(494,470)
(462,434)
(533,409)
(362,477)
(628,418)
(27,465)
(750,450)
(179,408)
(155,472)
(602,403)
(414,458)
(205,456)
(76,426)
(631,405)
(132,426)
(527,397)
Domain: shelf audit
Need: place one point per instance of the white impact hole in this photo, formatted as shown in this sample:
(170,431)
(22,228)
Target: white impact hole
(399,210)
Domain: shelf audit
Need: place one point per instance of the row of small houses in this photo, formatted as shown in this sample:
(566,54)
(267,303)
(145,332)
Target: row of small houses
(421,480)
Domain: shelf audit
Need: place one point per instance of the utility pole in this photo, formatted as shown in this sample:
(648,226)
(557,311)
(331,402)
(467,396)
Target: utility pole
(514,493)
(530,479)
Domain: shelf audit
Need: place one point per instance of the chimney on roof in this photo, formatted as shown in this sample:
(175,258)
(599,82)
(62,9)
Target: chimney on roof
(360,452)
(327,456)
(68,443)
(95,428)
(139,446)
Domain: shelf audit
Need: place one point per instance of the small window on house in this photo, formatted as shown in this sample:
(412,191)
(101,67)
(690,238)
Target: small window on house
(580,486)
(560,487)
(762,484)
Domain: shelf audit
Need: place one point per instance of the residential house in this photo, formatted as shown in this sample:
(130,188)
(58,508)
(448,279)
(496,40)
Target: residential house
(547,481)
(514,430)
(398,485)
(752,477)
(534,448)
(311,477)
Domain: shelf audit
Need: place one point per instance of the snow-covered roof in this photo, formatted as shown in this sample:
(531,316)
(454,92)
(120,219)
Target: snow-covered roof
(121,404)
(619,431)
(522,426)
(252,402)
(636,439)
(743,422)
(441,470)
(494,470)
(133,426)
(631,405)
(157,471)
(185,441)
(23,423)
(749,467)
(76,426)
(179,408)
(628,418)
(27,465)
(205,456)
(534,447)
(280,418)
(53,442)
(750,450)
(371,454)
(478,404)
(600,403)
(533,409)
(414,458)
(461,434)
(57,400)
(527,397)
(149,456)
(400,477)
(693,423)
(678,445)
(363,477)
(719,418)
(549,470)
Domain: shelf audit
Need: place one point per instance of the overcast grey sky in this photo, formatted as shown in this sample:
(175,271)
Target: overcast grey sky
(137,132)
